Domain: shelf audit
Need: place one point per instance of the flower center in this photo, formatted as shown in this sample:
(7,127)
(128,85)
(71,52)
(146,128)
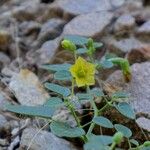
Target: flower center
(81,73)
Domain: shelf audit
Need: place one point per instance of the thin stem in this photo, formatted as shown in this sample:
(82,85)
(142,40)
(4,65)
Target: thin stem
(95,114)
(129,144)
(72,88)
(86,124)
(113,145)
(75,55)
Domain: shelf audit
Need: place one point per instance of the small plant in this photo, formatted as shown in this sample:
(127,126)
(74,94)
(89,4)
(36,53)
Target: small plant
(83,74)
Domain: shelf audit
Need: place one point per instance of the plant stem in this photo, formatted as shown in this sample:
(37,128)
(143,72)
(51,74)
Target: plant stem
(72,88)
(95,114)
(129,144)
(112,146)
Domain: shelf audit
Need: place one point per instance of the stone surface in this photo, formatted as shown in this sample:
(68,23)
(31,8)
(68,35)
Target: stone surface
(27,88)
(144,31)
(50,30)
(68,8)
(45,54)
(143,123)
(117,3)
(139,87)
(89,25)
(5,38)
(3,101)
(4,60)
(44,141)
(124,46)
(28,27)
(2,121)
(124,23)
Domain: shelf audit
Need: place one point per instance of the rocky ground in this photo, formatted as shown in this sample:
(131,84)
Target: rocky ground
(30,35)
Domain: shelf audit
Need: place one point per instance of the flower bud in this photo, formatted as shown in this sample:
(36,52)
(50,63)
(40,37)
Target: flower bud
(68,45)
(147,144)
(117,138)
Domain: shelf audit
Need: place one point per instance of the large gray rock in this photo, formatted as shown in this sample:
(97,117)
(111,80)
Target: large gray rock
(124,46)
(28,89)
(139,87)
(43,141)
(3,102)
(4,60)
(69,8)
(2,121)
(89,25)
(124,23)
(50,30)
(144,31)
(45,54)
(143,123)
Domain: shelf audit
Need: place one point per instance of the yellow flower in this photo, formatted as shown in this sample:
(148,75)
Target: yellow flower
(83,72)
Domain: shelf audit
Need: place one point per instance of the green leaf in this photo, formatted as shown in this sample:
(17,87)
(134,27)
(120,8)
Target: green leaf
(98,142)
(84,96)
(120,94)
(97,92)
(95,146)
(37,111)
(62,75)
(106,64)
(110,55)
(81,51)
(54,102)
(62,129)
(56,67)
(58,89)
(126,110)
(76,39)
(134,142)
(102,121)
(123,129)
(98,45)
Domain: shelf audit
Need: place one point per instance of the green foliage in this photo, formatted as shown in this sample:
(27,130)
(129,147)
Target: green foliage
(62,129)
(37,111)
(102,121)
(125,109)
(124,130)
(71,98)
(57,67)
(58,89)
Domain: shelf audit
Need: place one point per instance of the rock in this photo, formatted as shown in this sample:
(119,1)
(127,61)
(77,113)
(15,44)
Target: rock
(144,31)
(28,11)
(138,88)
(4,60)
(139,54)
(117,3)
(50,30)
(43,141)
(89,25)
(27,88)
(45,54)
(3,101)
(67,9)
(144,123)
(2,121)
(124,23)
(4,40)
(28,27)
(124,46)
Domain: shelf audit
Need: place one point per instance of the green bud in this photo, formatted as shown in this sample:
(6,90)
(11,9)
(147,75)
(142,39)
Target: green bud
(117,138)
(68,45)
(147,144)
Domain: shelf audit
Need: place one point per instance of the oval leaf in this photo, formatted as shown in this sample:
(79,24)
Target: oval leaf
(97,92)
(37,111)
(123,129)
(62,75)
(76,39)
(120,94)
(62,129)
(126,110)
(84,96)
(102,121)
(81,51)
(134,142)
(56,67)
(54,102)
(58,89)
